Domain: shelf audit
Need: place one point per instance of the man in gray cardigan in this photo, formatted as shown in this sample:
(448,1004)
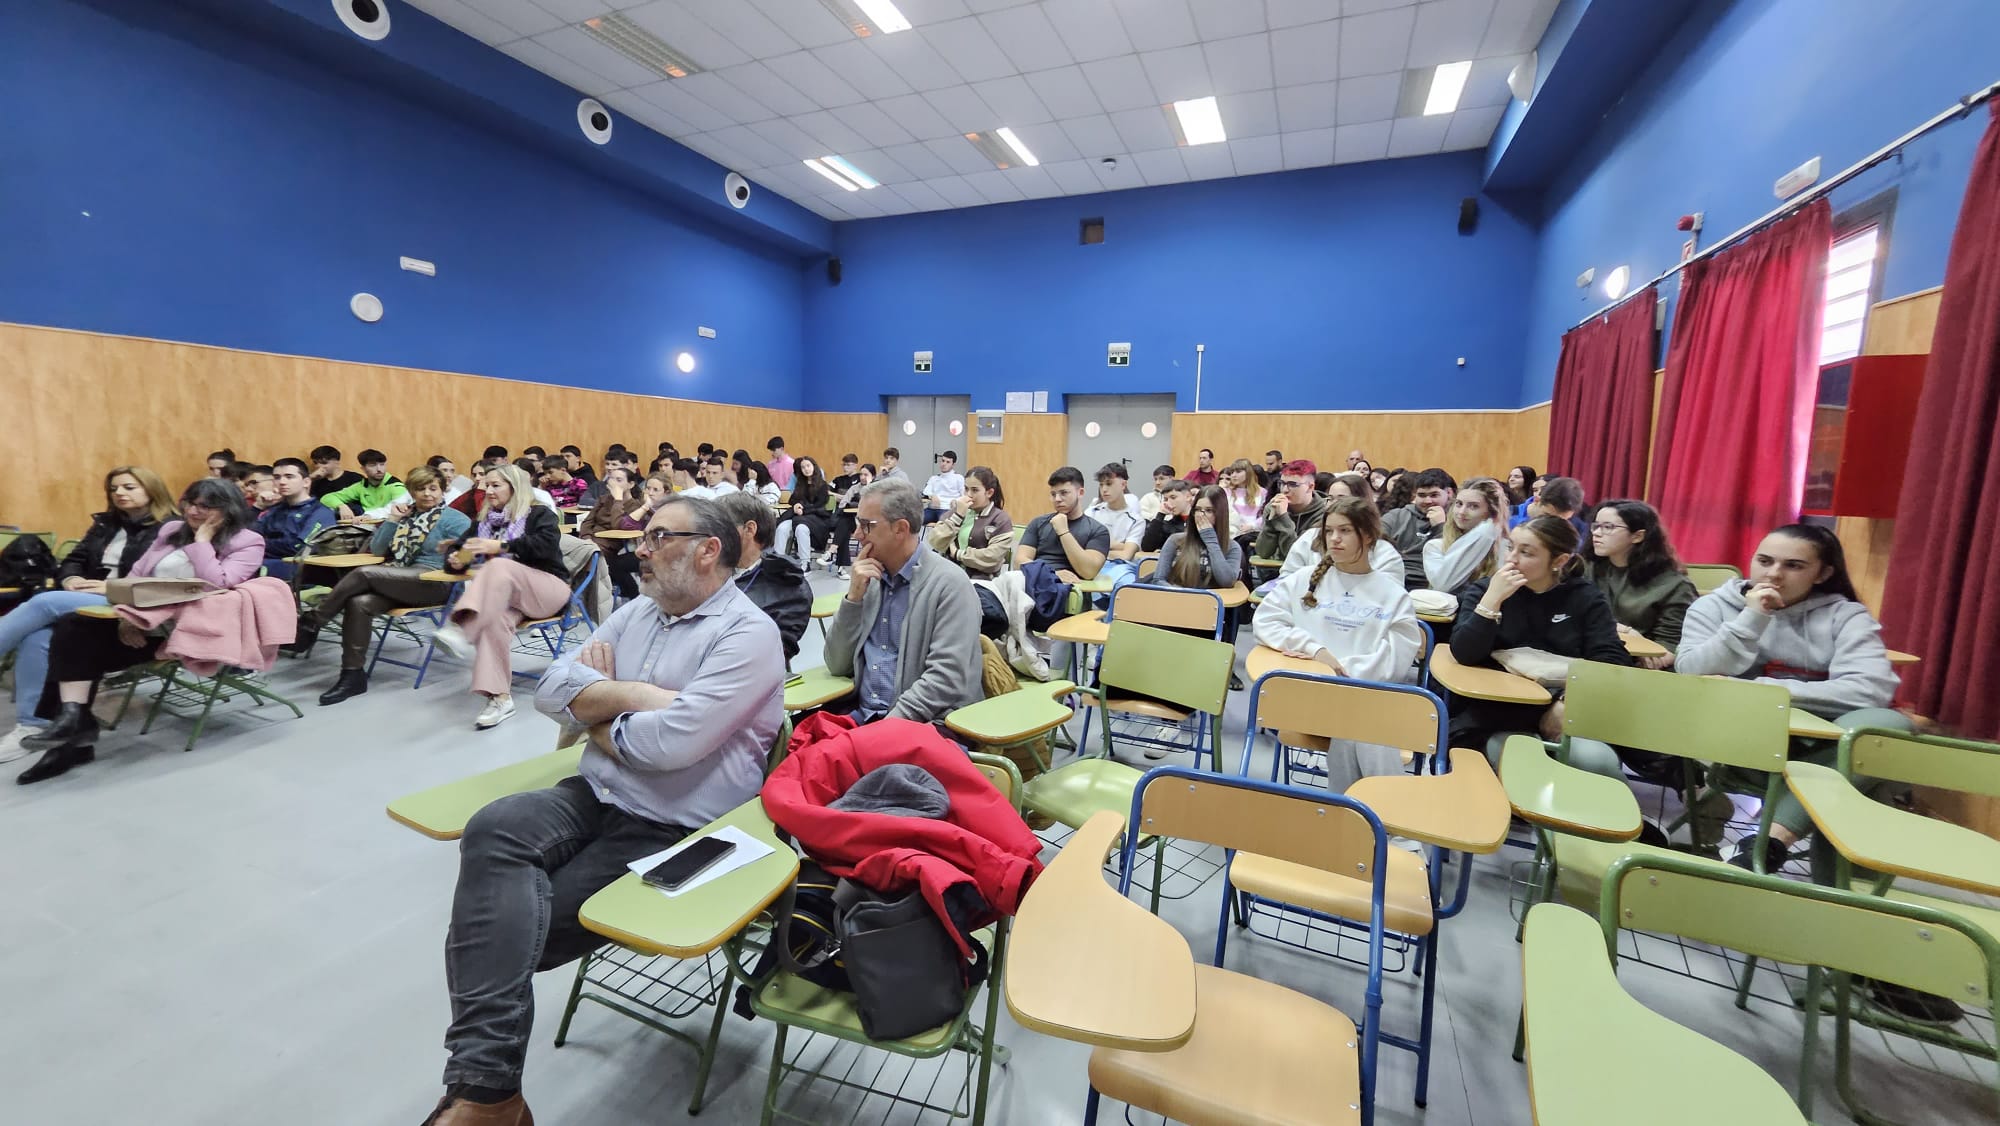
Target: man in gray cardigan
(908,631)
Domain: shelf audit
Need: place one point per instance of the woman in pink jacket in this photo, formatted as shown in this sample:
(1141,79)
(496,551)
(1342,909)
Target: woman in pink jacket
(214,542)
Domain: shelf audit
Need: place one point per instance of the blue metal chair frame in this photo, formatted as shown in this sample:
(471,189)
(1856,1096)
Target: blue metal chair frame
(554,635)
(1306,761)
(1203,721)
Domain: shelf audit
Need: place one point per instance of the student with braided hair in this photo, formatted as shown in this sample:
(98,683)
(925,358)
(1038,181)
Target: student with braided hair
(1351,617)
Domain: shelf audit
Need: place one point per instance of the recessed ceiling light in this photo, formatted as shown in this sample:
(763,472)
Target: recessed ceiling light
(1014,143)
(830,174)
(1199,121)
(848,170)
(1446,86)
(869,17)
(641,46)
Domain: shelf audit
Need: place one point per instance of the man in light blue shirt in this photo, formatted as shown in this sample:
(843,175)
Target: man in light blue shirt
(682,691)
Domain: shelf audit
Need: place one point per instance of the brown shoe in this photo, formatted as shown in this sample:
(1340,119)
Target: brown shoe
(453,1111)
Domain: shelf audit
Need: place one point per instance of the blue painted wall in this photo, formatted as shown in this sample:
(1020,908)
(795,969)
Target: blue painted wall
(1743,93)
(1332,288)
(238,195)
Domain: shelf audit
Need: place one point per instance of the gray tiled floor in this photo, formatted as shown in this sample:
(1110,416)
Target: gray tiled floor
(240,935)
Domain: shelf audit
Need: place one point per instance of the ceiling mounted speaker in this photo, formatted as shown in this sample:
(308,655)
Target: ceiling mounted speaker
(367,18)
(594,120)
(736,190)
(1521,80)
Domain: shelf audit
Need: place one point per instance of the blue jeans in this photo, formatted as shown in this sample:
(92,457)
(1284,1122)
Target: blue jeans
(25,632)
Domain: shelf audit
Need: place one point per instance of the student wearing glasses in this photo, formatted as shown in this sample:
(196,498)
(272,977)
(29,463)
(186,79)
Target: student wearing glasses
(1628,558)
(1295,511)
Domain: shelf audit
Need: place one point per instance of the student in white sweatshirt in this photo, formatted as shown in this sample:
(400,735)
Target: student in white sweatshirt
(1350,616)
(1472,545)
(1795,621)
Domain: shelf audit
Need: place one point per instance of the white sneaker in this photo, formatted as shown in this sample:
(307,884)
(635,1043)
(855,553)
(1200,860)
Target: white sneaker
(10,743)
(452,640)
(1155,754)
(497,711)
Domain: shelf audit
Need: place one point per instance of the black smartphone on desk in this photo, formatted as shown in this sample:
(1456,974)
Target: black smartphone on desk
(676,870)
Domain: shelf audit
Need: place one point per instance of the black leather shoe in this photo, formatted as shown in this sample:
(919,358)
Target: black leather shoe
(302,645)
(57,761)
(75,726)
(352,682)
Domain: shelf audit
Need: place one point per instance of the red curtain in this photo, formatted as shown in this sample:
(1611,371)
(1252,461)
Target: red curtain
(1742,371)
(1942,600)
(1604,400)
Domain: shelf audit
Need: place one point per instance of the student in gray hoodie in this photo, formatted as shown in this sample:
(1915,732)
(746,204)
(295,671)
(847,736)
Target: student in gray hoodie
(1795,621)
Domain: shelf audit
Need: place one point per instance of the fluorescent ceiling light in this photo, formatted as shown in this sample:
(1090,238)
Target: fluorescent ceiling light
(1200,121)
(830,174)
(1014,143)
(883,15)
(849,171)
(1446,86)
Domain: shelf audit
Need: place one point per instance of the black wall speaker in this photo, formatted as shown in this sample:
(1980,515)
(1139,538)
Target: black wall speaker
(1468,215)
(833,271)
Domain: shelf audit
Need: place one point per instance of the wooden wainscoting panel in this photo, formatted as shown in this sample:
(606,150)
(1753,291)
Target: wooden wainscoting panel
(1465,443)
(1032,447)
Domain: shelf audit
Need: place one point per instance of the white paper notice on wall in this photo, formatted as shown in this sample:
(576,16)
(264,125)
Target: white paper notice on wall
(1020,402)
(1041,402)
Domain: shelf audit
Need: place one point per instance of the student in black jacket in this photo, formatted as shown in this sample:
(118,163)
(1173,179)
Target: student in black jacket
(1176,500)
(774,582)
(1537,600)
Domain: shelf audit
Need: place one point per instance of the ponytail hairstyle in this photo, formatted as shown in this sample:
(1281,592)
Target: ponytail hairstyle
(1496,506)
(1559,536)
(1651,557)
(1827,545)
(1367,524)
(1189,555)
(989,479)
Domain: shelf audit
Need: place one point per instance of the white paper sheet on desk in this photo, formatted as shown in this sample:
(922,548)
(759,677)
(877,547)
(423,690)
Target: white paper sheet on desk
(748,850)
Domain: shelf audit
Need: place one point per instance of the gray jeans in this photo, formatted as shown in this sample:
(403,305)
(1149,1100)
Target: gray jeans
(525,865)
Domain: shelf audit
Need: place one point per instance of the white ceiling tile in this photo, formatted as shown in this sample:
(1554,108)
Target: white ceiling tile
(1376,43)
(1155,25)
(862,69)
(1090,28)
(711,88)
(1487,84)
(1119,175)
(522,17)
(670,97)
(1034,183)
(1074,177)
(837,135)
(1065,91)
(1120,83)
(1367,141)
(1292,13)
(1093,136)
(1220,19)
(462,16)
(708,145)
(1516,27)
(878,164)
(912,112)
(811,77)
(861,205)
(922,197)
(807,21)
(1208,162)
(1369,99)
(996,5)
(957,192)
(1013,100)
(913,60)
(579,78)
(1472,128)
(577,11)
(1048,142)
(1414,136)
(687,34)
(1449,30)
(1254,114)
(890,202)
(1177,73)
(1254,156)
(743,25)
(970,51)
(796,142)
(1308,149)
(1239,64)
(1027,37)
(963,107)
(922,12)
(790,179)
(628,104)
(595,57)
(1306,107)
(761,83)
(960,155)
(744,140)
(994,185)
(1306,54)
(1363,7)
(821,206)
(1162,166)
(920,160)
(877,127)
(1143,129)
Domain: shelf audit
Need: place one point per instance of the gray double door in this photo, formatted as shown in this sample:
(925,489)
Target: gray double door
(924,426)
(1136,430)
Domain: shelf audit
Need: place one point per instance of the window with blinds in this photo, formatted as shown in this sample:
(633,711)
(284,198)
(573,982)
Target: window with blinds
(1850,276)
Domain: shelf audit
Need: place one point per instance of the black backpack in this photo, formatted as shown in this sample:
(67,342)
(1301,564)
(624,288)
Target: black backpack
(27,563)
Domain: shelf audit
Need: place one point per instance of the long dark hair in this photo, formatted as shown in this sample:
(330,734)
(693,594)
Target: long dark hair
(217,494)
(991,480)
(1830,553)
(809,490)
(1191,556)
(1528,479)
(1651,557)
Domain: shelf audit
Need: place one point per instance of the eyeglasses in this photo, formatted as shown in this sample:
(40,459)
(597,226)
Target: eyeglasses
(1296,483)
(196,506)
(866,526)
(1609,528)
(656,538)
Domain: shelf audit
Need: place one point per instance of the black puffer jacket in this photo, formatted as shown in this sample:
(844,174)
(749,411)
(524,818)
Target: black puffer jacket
(779,589)
(87,561)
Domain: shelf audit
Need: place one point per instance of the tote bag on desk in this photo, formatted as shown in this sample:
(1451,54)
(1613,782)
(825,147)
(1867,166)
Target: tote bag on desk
(148,593)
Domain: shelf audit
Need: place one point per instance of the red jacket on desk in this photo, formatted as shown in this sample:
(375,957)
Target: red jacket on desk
(981,846)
